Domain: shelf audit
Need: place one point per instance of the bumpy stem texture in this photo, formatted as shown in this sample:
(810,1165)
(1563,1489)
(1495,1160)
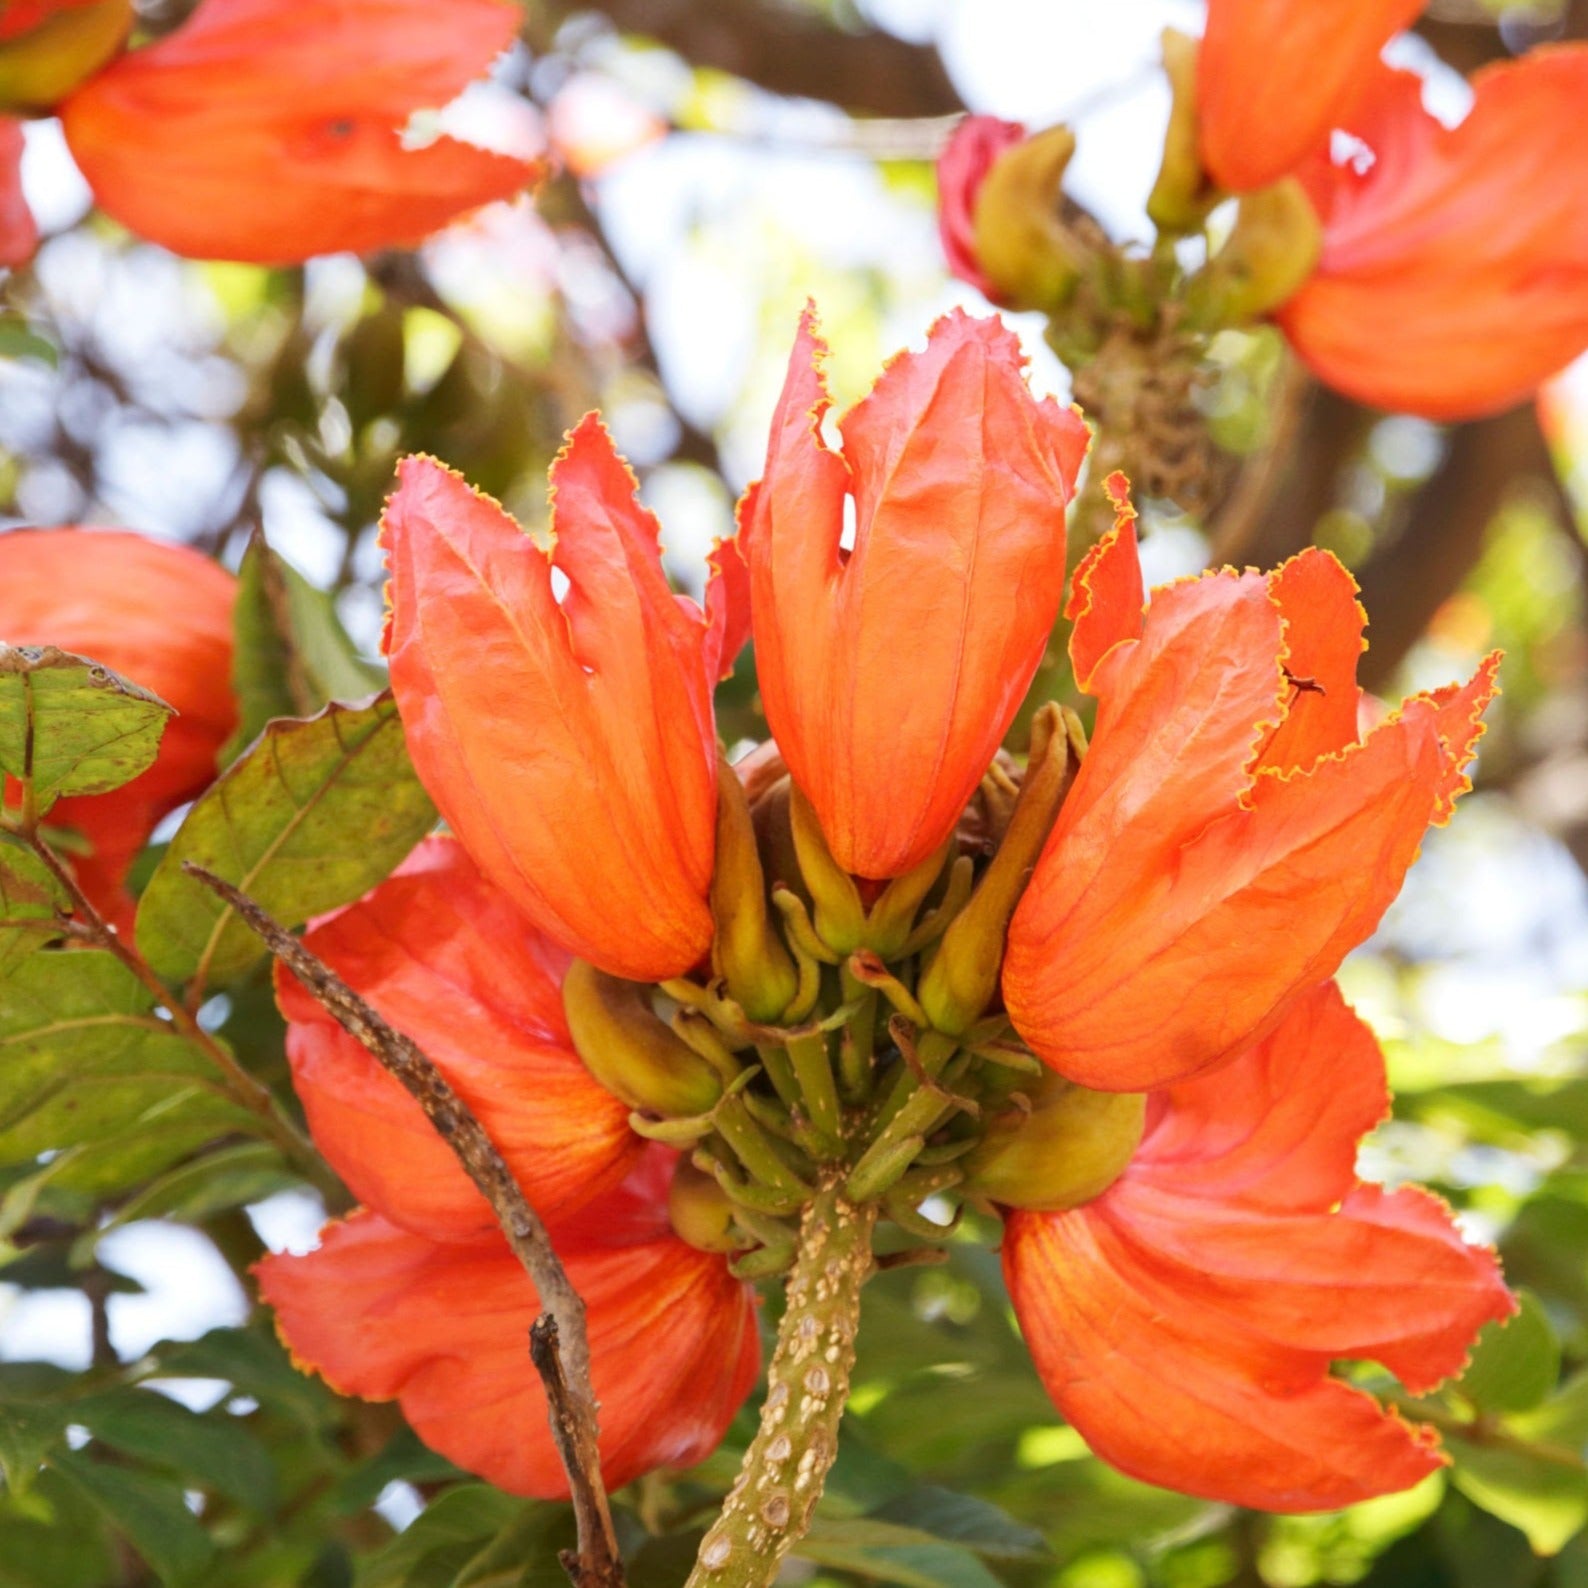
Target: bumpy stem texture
(775,1494)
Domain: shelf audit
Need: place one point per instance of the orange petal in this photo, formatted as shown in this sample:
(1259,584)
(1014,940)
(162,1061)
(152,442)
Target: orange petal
(570,746)
(1183,897)
(1274,77)
(1278,1127)
(19,232)
(193,143)
(1454,276)
(384,1314)
(1387,1278)
(158,613)
(959,479)
(1323,639)
(962,167)
(1163,1385)
(1106,595)
(450,961)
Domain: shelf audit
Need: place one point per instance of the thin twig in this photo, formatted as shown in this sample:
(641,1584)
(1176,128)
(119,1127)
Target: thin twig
(561,1354)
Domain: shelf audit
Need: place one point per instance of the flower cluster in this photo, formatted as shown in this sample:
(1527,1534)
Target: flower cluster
(1419,266)
(195,142)
(878,961)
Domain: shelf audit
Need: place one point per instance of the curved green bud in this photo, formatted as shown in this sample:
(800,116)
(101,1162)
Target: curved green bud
(628,1048)
(746,952)
(1183,193)
(962,979)
(1275,245)
(41,67)
(840,915)
(700,1211)
(1071,1147)
(1023,246)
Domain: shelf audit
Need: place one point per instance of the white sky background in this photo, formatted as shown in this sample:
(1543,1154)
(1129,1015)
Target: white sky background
(1505,920)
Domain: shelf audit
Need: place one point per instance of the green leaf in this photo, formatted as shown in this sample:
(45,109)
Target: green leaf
(85,1063)
(1514,1364)
(252,1361)
(28,894)
(440,1542)
(209,1451)
(28,1431)
(1545,1498)
(70,726)
(149,1511)
(966,1520)
(18,339)
(313,816)
(886,1552)
(292,654)
(231,1177)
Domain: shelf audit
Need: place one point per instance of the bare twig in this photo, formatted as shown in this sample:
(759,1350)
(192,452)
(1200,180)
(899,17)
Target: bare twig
(559,1341)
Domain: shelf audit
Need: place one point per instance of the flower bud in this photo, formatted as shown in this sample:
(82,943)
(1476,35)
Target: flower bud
(1071,1147)
(963,976)
(1023,246)
(48,48)
(1183,193)
(630,1050)
(1274,247)
(700,1211)
(746,952)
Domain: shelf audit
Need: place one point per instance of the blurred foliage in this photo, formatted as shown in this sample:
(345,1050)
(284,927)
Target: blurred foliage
(259,414)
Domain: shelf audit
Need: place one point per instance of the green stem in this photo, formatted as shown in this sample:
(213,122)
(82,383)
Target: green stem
(771,1504)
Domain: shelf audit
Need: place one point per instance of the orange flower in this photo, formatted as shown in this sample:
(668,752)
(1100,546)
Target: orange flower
(1185,1320)
(268,131)
(440,1327)
(1454,276)
(160,615)
(1275,76)
(449,960)
(891,669)
(569,743)
(1229,838)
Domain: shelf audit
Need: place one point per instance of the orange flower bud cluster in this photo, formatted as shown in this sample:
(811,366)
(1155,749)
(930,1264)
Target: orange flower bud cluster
(883,962)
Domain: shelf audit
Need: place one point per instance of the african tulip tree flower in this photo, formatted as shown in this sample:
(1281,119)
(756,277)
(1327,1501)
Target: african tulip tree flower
(1454,273)
(448,959)
(791,969)
(962,168)
(959,482)
(1185,1320)
(1274,78)
(440,1326)
(267,131)
(1229,837)
(161,615)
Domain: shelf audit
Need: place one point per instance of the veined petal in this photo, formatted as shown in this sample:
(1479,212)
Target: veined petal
(959,479)
(1274,77)
(1454,276)
(1323,640)
(1386,1278)
(162,615)
(384,1314)
(569,746)
(1185,1321)
(1129,963)
(192,143)
(1165,1388)
(19,232)
(1106,595)
(1278,1127)
(450,961)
